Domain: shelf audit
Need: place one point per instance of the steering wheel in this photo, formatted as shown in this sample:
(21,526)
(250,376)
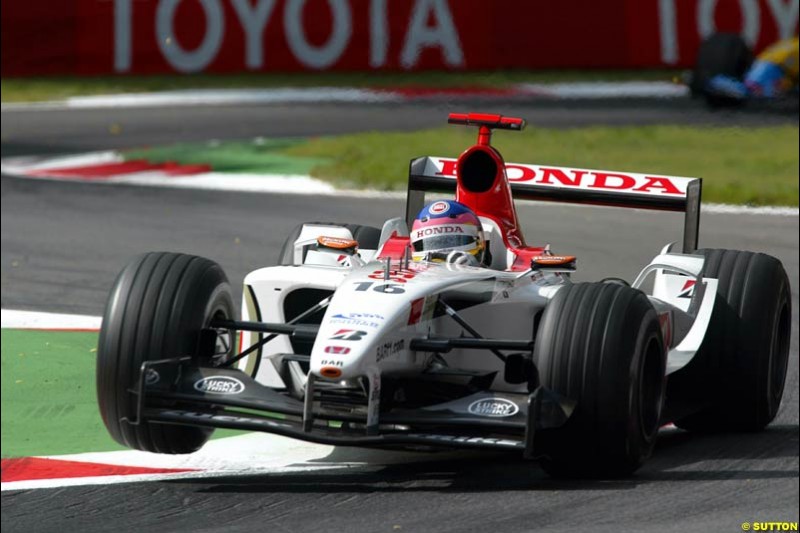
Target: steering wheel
(461,258)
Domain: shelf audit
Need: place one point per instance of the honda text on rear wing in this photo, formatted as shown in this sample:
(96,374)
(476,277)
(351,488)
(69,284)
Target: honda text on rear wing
(483,172)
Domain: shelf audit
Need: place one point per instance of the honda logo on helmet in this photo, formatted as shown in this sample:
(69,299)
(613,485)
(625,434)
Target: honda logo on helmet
(437,230)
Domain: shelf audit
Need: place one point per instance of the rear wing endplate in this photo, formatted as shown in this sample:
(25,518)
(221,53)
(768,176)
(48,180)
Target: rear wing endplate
(571,185)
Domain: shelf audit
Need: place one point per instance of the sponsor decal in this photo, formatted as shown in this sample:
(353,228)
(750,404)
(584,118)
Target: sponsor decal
(416,311)
(388,288)
(338,350)
(359,316)
(553,259)
(225,418)
(463,439)
(336,242)
(389,349)
(331,362)
(437,230)
(687,291)
(399,276)
(348,335)
(369,320)
(219,385)
(585,179)
(430,307)
(438,208)
(493,407)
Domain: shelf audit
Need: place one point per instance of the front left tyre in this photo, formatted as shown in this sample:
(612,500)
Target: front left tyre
(159,304)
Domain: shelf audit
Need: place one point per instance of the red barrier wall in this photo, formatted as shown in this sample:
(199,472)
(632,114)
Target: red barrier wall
(161,36)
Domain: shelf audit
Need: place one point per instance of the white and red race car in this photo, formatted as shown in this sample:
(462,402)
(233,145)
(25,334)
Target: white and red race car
(349,342)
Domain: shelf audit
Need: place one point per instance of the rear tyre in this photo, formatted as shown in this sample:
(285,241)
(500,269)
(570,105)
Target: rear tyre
(368,238)
(156,309)
(600,345)
(722,53)
(746,350)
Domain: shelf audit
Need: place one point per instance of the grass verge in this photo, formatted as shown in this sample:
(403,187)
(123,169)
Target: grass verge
(49,404)
(750,166)
(259,156)
(755,166)
(60,87)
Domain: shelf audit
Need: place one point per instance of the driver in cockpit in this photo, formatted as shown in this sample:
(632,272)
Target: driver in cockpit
(447,230)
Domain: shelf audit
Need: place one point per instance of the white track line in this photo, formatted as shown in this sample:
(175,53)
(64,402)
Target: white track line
(606,90)
(269,183)
(12,319)
(15,165)
(201,97)
(253,453)
(288,95)
(751,210)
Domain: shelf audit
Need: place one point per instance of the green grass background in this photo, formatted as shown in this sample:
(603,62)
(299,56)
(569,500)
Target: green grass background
(752,166)
(48,402)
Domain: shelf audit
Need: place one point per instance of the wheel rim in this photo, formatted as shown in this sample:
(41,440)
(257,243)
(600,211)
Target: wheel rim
(225,343)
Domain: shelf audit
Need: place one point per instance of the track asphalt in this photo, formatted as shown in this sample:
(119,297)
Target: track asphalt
(63,243)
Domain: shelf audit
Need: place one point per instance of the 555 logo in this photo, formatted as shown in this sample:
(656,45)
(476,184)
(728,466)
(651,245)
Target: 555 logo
(348,335)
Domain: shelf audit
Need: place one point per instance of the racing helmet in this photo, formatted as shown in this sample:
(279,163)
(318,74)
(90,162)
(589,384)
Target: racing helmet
(445,226)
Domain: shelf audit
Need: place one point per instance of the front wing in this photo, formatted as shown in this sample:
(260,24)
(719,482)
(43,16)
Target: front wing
(174,391)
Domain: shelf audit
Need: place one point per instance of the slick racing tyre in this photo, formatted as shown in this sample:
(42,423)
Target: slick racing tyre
(742,362)
(367,237)
(722,53)
(156,309)
(600,345)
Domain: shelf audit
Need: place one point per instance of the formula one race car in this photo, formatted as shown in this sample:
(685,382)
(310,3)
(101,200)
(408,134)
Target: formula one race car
(364,337)
(727,75)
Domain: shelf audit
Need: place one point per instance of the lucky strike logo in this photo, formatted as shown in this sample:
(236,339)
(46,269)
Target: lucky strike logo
(493,408)
(438,208)
(219,385)
(581,179)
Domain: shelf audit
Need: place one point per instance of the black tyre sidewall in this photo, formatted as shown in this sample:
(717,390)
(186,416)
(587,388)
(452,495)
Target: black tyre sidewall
(722,53)
(742,362)
(590,348)
(156,310)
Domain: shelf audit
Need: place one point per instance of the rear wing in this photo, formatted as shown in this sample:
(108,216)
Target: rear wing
(571,185)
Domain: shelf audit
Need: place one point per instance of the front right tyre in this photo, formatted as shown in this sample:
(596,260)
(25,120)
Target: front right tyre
(600,345)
